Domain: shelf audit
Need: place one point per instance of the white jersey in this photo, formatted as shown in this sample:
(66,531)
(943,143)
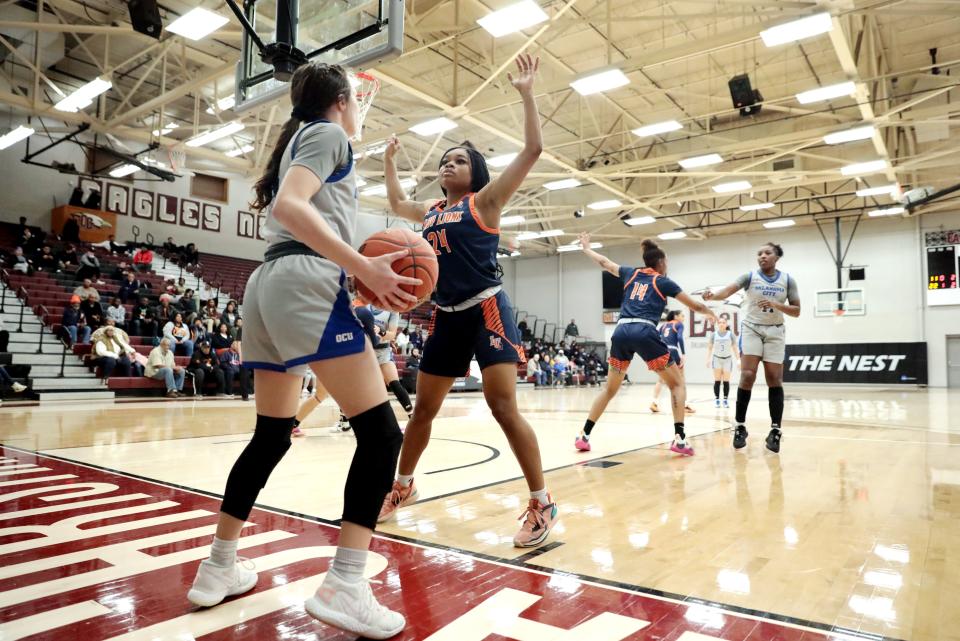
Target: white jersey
(722,344)
(780,288)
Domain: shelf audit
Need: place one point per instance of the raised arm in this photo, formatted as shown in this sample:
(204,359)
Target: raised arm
(696,305)
(493,198)
(726,292)
(603,261)
(412,210)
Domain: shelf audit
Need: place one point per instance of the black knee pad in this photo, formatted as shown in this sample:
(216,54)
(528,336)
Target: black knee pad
(271,440)
(401,395)
(371,473)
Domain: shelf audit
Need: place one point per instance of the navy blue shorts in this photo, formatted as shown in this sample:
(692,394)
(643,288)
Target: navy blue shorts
(641,339)
(486,331)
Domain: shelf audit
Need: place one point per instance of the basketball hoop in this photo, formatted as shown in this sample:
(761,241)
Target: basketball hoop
(838,314)
(367,87)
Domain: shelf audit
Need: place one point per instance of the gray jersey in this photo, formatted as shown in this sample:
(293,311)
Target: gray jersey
(386,321)
(781,288)
(322,148)
(722,344)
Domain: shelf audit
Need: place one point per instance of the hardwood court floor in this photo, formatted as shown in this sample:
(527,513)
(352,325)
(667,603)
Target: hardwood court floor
(856,524)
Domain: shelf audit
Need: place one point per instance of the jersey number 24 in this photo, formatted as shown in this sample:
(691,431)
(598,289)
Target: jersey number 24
(438,240)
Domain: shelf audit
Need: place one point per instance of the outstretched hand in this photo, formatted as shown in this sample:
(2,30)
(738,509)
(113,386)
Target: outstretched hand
(527,67)
(585,240)
(393,146)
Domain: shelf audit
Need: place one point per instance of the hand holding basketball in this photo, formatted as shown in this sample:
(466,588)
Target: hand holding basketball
(399,280)
(384,284)
(527,67)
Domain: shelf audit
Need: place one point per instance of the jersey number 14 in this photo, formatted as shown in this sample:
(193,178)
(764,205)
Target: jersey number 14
(639,291)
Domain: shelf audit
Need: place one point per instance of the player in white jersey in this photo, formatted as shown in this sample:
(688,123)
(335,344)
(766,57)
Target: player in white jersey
(769,295)
(721,353)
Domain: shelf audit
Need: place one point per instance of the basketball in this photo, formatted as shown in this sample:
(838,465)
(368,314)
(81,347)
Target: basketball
(420,262)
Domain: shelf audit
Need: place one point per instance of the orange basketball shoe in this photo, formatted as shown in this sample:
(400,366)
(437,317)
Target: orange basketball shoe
(398,497)
(538,520)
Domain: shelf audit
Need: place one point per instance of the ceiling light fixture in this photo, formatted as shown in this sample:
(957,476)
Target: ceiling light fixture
(889,211)
(657,128)
(868,167)
(672,235)
(797,30)
(223,104)
(600,81)
(513,18)
(701,161)
(639,220)
(433,127)
(82,97)
(578,247)
(566,183)
(381,189)
(736,185)
(509,221)
(879,191)
(167,129)
(850,135)
(605,204)
(533,235)
(124,170)
(756,207)
(15,136)
(196,24)
(215,134)
(501,161)
(776,224)
(827,93)
(246,149)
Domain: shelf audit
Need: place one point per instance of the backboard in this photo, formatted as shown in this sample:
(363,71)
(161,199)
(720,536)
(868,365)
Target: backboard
(353,33)
(840,302)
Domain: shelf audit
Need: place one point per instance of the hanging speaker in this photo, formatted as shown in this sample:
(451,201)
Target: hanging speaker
(145,17)
(744,97)
(858,273)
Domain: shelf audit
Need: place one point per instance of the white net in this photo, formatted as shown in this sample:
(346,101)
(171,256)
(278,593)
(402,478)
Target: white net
(367,88)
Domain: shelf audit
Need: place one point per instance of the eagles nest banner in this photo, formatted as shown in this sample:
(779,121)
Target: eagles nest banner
(860,363)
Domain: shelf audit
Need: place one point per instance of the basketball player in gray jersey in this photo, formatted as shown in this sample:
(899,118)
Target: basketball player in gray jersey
(721,352)
(769,295)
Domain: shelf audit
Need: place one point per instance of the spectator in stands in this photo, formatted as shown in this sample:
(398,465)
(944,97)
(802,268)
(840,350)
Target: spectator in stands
(4,337)
(178,333)
(229,314)
(89,267)
(198,333)
(164,311)
(130,287)
(560,372)
(143,319)
(21,227)
(120,271)
(92,312)
(68,258)
(143,258)
(207,293)
(534,369)
(188,305)
(71,229)
(237,331)
(111,246)
(74,323)
(86,290)
(112,353)
(210,315)
(222,339)
(46,260)
(416,341)
(28,241)
(571,333)
(20,262)
(136,368)
(413,361)
(180,287)
(205,366)
(117,313)
(189,256)
(161,366)
(232,365)
(403,341)
(6,379)
(171,246)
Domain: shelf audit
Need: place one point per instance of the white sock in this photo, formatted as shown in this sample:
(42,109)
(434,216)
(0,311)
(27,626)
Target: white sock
(223,553)
(541,495)
(405,479)
(348,564)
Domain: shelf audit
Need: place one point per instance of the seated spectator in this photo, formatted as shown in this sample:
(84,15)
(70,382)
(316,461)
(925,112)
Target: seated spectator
(20,262)
(161,366)
(403,341)
(188,306)
(112,353)
(560,372)
(237,331)
(534,369)
(171,246)
(208,292)
(4,337)
(229,314)
(117,313)
(177,333)
(143,259)
(198,333)
(21,227)
(46,261)
(89,267)
(205,366)
(416,340)
(222,339)
(413,361)
(130,288)
(181,287)
(92,312)
(232,365)
(28,241)
(164,312)
(74,323)
(86,290)
(120,271)
(143,319)
(210,315)
(6,379)
(69,260)
(189,256)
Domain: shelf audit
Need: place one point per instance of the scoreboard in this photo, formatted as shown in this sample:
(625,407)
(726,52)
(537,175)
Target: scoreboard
(942,250)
